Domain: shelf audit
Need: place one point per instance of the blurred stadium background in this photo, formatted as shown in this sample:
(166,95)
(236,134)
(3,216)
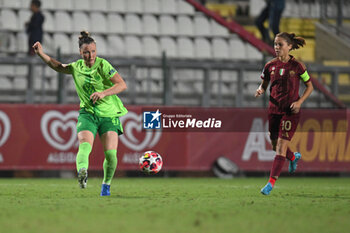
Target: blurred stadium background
(172,53)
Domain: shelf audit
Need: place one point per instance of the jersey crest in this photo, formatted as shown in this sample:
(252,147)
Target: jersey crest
(282,71)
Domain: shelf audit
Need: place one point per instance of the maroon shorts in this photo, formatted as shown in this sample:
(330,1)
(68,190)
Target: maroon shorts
(283,126)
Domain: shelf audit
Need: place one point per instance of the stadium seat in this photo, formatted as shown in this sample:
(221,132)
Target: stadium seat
(256,6)
(63,4)
(100,5)
(229,79)
(38,80)
(48,44)
(133,46)
(63,22)
(223,87)
(202,48)
(201,26)
(101,46)
(185,8)
(5,83)
(11,3)
(151,6)
(220,48)
(70,84)
(185,47)
(252,76)
(48,25)
(117,6)
(218,30)
(11,45)
(116,46)
(168,7)
(168,45)
(229,76)
(80,21)
(250,88)
(167,25)
(20,80)
(226,10)
(150,47)
(184,25)
(156,74)
(237,49)
(47,5)
(74,42)
(98,23)
(22,42)
(115,23)
(23,17)
(133,24)
(82,5)
(316,10)
(7,70)
(10,17)
(21,70)
(253,53)
(62,40)
(51,79)
(134,6)
(289,10)
(26,3)
(150,25)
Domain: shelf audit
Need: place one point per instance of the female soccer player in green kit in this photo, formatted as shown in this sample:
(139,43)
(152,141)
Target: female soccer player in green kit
(97,84)
(284,72)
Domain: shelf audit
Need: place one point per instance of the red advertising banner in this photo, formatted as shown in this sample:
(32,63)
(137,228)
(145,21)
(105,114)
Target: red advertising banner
(43,137)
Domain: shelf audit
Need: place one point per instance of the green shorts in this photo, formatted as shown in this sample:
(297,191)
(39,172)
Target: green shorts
(94,124)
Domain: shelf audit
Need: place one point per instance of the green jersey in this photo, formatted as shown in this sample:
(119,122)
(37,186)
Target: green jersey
(96,79)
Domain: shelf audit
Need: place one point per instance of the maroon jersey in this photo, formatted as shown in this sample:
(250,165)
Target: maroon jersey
(284,81)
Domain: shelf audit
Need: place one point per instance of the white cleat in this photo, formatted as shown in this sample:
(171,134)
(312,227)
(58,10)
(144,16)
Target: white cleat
(82,177)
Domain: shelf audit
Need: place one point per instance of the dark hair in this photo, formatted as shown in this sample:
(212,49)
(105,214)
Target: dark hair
(295,41)
(85,38)
(36,3)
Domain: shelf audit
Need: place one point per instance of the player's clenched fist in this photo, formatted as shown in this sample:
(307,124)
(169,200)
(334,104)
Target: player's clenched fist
(259,92)
(37,47)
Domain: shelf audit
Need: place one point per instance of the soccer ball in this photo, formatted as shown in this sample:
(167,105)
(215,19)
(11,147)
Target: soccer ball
(151,162)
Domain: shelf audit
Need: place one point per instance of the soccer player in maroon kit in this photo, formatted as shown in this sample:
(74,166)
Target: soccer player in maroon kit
(284,72)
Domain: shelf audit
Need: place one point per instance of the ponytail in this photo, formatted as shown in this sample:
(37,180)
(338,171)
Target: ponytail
(295,41)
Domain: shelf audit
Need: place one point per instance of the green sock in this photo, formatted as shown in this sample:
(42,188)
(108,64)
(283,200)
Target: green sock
(109,166)
(83,155)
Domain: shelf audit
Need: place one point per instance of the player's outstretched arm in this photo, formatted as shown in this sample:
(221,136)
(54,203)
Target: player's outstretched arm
(54,64)
(262,88)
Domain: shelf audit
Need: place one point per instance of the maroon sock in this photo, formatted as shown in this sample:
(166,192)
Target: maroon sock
(277,166)
(290,155)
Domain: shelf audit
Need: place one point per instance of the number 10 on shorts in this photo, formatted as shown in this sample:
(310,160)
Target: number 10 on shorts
(286,125)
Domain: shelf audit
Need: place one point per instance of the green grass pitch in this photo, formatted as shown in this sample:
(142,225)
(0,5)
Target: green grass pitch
(175,205)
